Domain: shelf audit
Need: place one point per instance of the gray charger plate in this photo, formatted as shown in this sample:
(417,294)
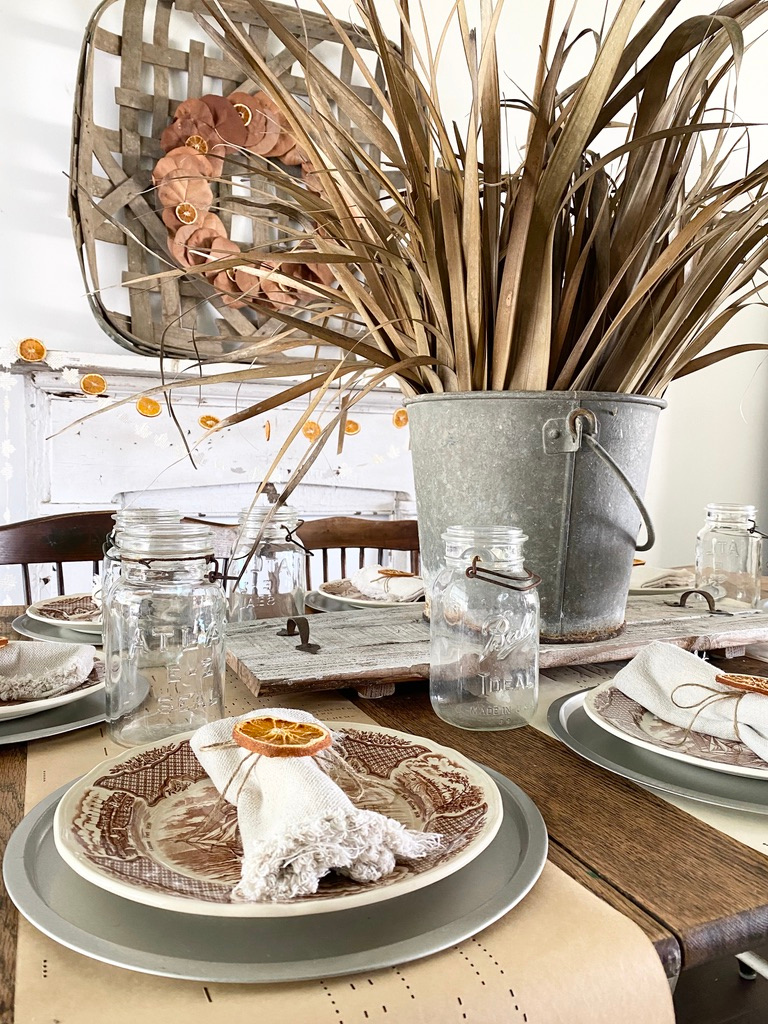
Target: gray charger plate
(36,630)
(78,714)
(571,724)
(92,921)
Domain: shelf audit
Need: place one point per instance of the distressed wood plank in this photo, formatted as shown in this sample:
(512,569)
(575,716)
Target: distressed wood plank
(392,645)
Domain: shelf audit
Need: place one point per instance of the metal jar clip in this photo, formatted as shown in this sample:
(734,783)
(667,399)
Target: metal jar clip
(527,582)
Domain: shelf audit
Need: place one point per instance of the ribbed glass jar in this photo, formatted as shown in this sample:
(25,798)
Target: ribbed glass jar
(484,651)
(274,574)
(729,553)
(126,518)
(164,622)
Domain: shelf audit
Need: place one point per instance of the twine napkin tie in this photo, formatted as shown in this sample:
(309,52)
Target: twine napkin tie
(682,689)
(296,824)
(380,584)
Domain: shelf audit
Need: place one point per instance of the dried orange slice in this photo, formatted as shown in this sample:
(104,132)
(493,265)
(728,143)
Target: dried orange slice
(209,422)
(187,213)
(197,142)
(32,350)
(351,427)
(400,418)
(148,406)
(739,681)
(277,737)
(267,430)
(311,430)
(245,113)
(93,384)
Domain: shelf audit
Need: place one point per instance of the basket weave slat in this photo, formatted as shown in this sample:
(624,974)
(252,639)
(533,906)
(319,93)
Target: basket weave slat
(112,198)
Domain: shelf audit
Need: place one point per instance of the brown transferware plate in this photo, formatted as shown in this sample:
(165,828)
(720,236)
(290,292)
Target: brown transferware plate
(150,826)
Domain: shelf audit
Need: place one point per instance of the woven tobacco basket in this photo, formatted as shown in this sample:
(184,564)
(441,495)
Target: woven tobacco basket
(150,55)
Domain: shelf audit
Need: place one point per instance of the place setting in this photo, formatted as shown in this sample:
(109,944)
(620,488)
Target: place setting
(372,586)
(222,855)
(675,723)
(73,618)
(47,689)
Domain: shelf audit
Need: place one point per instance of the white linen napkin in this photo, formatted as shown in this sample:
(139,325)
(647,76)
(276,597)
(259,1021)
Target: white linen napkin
(652,679)
(373,585)
(295,823)
(31,670)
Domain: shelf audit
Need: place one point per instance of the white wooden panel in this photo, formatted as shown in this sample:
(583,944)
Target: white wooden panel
(120,452)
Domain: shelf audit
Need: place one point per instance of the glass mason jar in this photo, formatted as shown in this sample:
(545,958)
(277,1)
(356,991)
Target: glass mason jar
(484,626)
(164,635)
(728,553)
(274,580)
(126,518)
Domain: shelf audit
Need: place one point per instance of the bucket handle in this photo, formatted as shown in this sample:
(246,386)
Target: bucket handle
(588,432)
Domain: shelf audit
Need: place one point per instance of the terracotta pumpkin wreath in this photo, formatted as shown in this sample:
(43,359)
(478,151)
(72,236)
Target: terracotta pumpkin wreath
(203,132)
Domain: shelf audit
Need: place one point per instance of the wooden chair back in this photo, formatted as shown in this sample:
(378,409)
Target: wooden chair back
(69,537)
(347,534)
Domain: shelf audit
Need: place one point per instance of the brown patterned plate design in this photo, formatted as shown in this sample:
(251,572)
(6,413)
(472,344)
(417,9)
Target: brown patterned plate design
(149,825)
(75,611)
(623,717)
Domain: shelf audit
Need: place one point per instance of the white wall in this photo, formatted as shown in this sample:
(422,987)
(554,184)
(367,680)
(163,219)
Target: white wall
(710,443)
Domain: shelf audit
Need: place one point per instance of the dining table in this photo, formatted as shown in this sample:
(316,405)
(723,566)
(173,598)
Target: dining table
(696,892)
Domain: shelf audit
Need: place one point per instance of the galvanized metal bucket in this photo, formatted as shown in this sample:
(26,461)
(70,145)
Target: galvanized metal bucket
(567,467)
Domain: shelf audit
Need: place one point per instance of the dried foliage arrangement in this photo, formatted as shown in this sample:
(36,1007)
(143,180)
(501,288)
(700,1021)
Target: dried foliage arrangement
(578,269)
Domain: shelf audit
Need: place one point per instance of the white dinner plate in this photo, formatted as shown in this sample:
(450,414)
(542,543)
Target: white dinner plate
(624,718)
(38,630)
(78,612)
(22,709)
(149,825)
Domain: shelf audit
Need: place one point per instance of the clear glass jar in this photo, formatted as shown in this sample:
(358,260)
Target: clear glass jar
(728,554)
(164,626)
(126,518)
(484,651)
(274,581)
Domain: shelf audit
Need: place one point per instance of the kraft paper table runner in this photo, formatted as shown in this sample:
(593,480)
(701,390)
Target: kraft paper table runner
(561,957)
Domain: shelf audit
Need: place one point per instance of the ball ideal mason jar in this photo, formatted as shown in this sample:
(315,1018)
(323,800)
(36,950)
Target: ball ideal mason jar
(484,631)
(729,553)
(270,580)
(164,623)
